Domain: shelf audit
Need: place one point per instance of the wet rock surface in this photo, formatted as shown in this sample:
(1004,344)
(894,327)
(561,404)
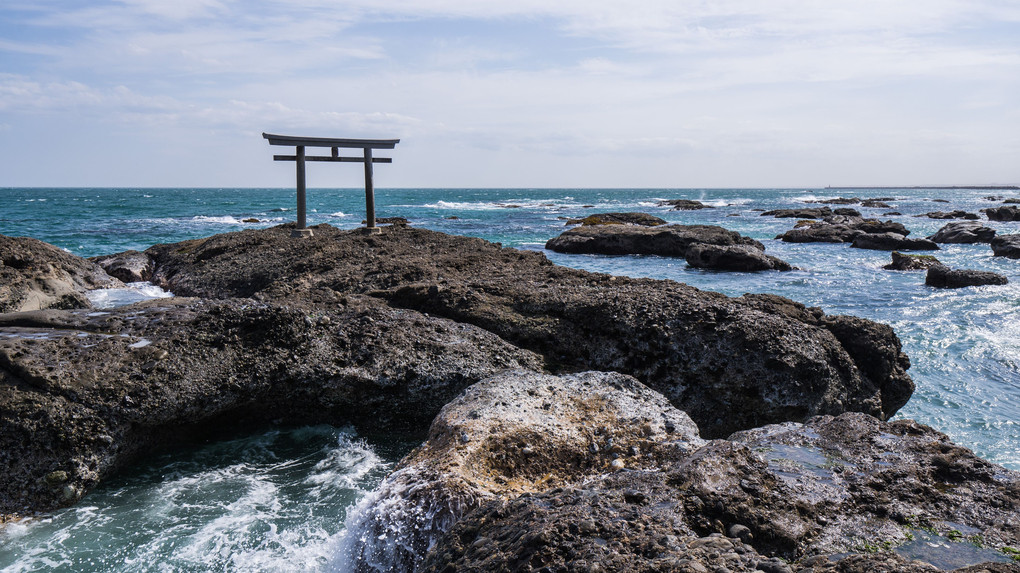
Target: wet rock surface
(619,219)
(665,240)
(801,213)
(576,474)
(35,275)
(129,266)
(82,394)
(964,232)
(903,262)
(744,258)
(840,229)
(1006,246)
(941,276)
(732,363)
(950,215)
(892,242)
(1004,213)
(685,205)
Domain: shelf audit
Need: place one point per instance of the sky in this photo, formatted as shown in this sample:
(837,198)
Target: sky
(523,93)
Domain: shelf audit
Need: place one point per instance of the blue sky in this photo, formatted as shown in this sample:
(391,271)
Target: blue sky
(585,93)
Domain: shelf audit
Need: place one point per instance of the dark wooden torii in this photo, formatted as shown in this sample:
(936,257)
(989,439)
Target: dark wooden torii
(300,143)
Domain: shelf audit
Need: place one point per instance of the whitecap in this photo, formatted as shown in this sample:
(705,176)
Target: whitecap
(226,219)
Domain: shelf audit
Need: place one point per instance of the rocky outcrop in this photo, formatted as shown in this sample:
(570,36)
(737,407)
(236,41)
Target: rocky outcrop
(35,275)
(745,258)
(839,229)
(665,240)
(965,232)
(958,214)
(82,394)
(593,472)
(901,262)
(684,205)
(1004,213)
(731,363)
(892,242)
(941,276)
(129,266)
(619,219)
(1006,246)
(801,213)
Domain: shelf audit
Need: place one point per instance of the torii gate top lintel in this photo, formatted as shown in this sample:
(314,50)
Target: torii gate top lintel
(300,143)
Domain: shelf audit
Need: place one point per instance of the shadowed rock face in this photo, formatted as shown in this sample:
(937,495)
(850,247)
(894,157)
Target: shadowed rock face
(963,232)
(731,363)
(531,471)
(619,219)
(892,242)
(129,266)
(1006,246)
(733,258)
(81,395)
(665,240)
(902,262)
(35,275)
(1005,213)
(941,276)
(840,229)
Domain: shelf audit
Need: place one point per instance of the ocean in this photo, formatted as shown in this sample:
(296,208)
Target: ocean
(278,499)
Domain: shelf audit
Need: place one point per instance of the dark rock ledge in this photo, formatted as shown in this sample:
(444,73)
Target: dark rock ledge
(384,329)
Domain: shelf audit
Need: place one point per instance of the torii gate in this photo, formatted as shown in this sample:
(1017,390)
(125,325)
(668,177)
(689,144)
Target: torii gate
(300,143)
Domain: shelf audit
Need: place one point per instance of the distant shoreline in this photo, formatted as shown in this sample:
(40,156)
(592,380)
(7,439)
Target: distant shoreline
(989,187)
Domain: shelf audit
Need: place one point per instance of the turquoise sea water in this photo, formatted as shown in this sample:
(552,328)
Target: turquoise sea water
(964,344)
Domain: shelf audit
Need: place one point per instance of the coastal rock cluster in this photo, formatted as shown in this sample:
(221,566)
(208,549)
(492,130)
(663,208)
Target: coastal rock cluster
(576,421)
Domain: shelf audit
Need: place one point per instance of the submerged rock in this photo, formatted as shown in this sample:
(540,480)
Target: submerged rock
(732,363)
(35,275)
(665,240)
(965,232)
(1006,246)
(941,276)
(902,262)
(744,258)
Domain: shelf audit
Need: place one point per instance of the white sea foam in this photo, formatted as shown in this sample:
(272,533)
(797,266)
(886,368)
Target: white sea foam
(128,294)
(222,220)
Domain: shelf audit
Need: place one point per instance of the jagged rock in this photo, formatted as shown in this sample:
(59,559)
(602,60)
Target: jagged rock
(803,213)
(1004,213)
(664,240)
(733,258)
(839,229)
(129,266)
(76,399)
(950,215)
(684,205)
(840,201)
(35,275)
(963,232)
(876,203)
(732,363)
(846,212)
(388,221)
(941,276)
(518,472)
(901,262)
(892,242)
(1006,246)
(618,219)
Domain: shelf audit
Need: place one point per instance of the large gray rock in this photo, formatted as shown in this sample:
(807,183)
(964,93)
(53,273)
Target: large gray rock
(941,276)
(744,258)
(964,232)
(902,262)
(1004,213)
(545,472)
(665,240)
(800,213)
(1006,246)
(619,219)
(732,363)
(77,403)
(840,229)
(129,266)
(892,242)
(958,214)
(35,275)
(685,204)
